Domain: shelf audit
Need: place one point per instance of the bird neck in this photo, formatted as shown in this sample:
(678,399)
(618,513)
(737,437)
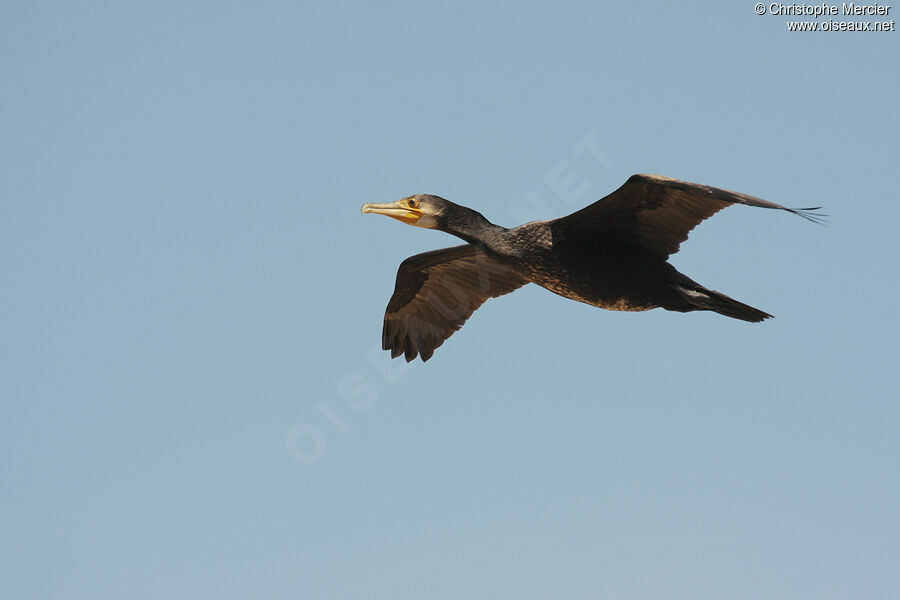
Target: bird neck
(472,227)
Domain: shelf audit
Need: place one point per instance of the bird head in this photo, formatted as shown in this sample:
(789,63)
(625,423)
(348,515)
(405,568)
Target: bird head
(421,210)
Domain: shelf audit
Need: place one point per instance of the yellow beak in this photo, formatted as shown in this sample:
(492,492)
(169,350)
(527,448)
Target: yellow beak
(396,210)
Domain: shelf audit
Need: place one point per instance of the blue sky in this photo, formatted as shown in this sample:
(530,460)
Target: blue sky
(194,402)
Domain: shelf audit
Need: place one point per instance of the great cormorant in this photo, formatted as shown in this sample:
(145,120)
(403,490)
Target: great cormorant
(611,254)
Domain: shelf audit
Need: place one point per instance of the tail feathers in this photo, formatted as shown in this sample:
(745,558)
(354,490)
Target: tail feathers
(704,299)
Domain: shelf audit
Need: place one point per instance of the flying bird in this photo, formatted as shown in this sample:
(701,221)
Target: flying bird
(611,254)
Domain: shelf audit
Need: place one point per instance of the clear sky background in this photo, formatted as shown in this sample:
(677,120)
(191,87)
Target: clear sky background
(194,399)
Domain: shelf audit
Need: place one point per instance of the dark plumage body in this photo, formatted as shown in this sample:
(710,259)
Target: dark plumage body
(611,254)
(594,271)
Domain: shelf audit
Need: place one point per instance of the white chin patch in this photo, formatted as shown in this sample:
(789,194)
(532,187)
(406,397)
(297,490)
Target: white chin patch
(427,221)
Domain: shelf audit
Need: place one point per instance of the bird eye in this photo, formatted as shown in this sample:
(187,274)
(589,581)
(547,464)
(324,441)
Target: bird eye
(413,203)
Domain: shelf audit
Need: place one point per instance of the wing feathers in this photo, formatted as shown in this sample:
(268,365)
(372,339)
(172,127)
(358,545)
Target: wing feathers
(658,212)
(435,293)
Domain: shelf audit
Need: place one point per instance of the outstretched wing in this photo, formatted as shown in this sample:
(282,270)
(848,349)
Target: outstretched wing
(658,212)
(434,295)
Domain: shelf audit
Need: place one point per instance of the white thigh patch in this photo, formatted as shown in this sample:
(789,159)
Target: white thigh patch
(691,293)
